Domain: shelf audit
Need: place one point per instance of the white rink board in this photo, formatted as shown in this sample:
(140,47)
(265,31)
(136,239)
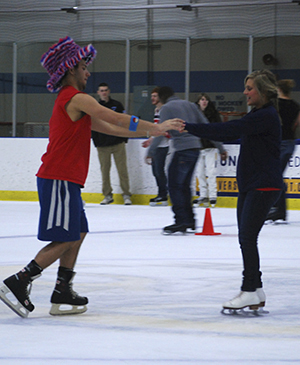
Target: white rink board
(21,158)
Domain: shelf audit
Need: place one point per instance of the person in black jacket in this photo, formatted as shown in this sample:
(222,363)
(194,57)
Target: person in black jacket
(289,111)
(259,175)
(108,146)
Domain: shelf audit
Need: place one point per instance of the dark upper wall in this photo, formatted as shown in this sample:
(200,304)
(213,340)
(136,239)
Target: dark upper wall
(217,66)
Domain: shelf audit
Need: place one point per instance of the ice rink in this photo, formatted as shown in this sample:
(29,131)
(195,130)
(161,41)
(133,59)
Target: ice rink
(153,299)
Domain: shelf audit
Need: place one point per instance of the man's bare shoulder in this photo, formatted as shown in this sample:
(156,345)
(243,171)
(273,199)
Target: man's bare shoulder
(82,96)
(82,99)
(82,102)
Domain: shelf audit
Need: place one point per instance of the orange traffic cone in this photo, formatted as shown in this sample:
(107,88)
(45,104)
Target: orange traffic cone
(208,229)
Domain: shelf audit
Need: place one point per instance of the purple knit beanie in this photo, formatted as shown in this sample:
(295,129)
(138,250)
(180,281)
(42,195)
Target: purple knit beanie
(62,56)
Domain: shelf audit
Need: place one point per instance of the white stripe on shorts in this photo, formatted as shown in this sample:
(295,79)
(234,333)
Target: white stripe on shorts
(56,199)
(59,206)
(67,207)
(52,206)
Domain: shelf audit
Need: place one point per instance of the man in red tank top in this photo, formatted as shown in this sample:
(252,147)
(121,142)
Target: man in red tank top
(63,172)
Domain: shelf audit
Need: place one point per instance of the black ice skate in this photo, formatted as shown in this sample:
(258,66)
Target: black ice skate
(159,201)
(275,216)
(16,289)
(204,202)
(180,228)
(174,228)
(64,299)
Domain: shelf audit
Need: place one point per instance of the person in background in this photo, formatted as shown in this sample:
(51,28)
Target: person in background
(289,111)
(157,157)
(111,146)
(63,173)
(208,157)
(259,175)
(186,152)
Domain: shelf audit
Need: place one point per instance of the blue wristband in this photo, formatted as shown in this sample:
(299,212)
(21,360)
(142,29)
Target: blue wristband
(134,121)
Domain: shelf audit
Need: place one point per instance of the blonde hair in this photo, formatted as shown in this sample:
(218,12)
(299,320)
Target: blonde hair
(286,86)
(266,85)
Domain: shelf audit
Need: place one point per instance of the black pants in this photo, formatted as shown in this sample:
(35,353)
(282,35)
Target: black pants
(252,209)
(286,152)
(158,170)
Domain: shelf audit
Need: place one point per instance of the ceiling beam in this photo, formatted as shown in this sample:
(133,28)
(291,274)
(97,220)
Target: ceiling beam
(187,7)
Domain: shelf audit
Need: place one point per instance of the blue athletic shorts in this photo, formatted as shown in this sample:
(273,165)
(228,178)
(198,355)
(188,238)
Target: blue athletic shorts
(62,217)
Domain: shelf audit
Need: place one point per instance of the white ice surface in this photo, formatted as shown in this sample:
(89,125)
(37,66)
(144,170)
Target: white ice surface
(153,299)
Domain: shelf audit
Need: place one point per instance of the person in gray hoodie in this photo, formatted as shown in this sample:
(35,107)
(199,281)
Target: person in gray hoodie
(186,152)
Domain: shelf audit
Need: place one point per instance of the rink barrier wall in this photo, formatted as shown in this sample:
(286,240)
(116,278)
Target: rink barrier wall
(96,198)
(21,158)
(223,202)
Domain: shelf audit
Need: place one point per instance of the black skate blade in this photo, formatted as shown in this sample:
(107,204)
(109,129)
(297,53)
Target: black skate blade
(12,303)
(276,222)
(244,312)
(268,222)
(178,233)
(66,309)
(163,204)
(279,222)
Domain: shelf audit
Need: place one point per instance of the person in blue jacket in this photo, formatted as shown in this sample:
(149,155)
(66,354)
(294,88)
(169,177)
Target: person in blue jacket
(259,175)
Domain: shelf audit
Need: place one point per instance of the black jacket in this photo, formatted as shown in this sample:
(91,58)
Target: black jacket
(259,159)
(104,140)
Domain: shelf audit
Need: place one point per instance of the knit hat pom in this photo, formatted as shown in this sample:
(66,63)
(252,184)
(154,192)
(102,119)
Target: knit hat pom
(61,57)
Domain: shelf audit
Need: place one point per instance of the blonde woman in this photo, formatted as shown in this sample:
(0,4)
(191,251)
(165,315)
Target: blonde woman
(258,175)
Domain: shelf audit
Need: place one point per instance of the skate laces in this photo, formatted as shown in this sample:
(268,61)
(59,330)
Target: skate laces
(28,285)
(72,291)
(28,289)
